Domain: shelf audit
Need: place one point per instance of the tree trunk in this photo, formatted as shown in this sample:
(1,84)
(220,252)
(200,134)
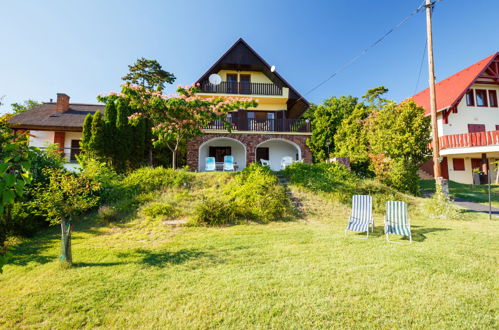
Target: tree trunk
(66,229)
(150,156)
(174,158)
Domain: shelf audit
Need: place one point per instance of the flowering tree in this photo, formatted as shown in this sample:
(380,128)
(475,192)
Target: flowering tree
(178,117)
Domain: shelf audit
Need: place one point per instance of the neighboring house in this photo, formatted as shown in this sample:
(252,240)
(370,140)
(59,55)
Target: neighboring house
(272,131)
(468,121)
(60,123)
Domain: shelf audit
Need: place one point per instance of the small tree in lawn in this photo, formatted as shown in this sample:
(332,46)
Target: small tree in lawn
(66,196)
(176,118)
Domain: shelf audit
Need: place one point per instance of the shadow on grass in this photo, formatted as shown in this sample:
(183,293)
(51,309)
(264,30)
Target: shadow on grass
(418,233)
(164,258)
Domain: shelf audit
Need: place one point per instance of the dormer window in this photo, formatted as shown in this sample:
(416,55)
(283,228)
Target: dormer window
(481,97)
(470,98)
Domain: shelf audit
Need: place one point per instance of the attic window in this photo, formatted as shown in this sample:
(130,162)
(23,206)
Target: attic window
(481,97)
(470,99)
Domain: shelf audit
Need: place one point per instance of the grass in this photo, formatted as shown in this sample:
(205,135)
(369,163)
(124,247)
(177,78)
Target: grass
(474,193)
(295,274)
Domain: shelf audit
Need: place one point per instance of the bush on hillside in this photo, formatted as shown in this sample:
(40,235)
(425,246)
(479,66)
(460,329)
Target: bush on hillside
(148,179)
(162,210)
(255,194)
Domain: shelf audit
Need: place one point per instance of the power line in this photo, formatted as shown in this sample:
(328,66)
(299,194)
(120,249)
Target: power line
(365,50)
(421,67)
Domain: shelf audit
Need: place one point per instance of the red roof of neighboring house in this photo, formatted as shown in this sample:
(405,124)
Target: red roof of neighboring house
(450,90)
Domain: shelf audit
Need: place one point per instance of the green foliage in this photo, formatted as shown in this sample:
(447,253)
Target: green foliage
(107,214)
(398,137)
(160,210)
(67,195)
(339,183)
(327,117)
(441,206)
(148,179)
(351,140)
(17,108)
(97,142)
(254,194)
(148,74)
(87,133)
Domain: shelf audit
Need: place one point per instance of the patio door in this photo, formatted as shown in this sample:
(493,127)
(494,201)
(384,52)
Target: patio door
(219,153)
(231,83)
(477,166)
(245,83)
(262,153)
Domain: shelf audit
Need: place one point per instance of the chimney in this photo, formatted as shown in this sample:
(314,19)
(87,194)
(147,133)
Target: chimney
(62,104)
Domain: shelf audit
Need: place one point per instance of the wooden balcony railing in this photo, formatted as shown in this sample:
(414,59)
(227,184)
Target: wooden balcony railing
(226,87)
(264,125)
(465,140)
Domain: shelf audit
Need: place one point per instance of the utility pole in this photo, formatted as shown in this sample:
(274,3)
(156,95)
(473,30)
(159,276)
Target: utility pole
(433,97)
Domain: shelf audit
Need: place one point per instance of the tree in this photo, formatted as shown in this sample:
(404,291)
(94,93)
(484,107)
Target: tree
(98,142)
(398,138)
(26,105)
(15,164)
(180,117)
(87,133)
(351,140)
(148,74)
(66,196)
(327,117)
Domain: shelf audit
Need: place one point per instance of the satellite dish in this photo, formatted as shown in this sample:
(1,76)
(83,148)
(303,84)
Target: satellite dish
(272,68)
(215,79)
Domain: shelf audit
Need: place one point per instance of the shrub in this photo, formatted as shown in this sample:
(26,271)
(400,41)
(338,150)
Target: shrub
(440,206)
(254,194)
(107,214)
(163,210)
(148,179)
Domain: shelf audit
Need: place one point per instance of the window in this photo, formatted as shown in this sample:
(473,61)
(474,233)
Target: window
(481,97)
(458,164)
(475,128)
(493,98)
(75,150)
(470,99)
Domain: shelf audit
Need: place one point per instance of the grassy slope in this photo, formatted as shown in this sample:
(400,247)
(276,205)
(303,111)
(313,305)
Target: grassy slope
(298,274)
(474,193)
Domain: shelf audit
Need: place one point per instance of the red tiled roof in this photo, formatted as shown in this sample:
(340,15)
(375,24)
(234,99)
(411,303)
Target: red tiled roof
(452,89)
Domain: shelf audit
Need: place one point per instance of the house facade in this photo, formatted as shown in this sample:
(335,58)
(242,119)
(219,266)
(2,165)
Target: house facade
(468,122)
(272,131)
(59,122)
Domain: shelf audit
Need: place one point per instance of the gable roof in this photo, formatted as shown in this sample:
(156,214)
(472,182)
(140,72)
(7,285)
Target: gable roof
(44,117)
(240,56)
(452,89)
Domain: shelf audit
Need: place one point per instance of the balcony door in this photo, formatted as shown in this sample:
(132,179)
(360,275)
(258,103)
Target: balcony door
(231,83)
(245,83)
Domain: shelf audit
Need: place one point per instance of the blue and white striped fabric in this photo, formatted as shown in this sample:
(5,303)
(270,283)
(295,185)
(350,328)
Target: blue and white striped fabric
(228,163)
(396,221)
(210,164)
(362,209)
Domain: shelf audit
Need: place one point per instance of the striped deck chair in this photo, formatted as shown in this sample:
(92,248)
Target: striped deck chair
(362,215)
(210,164)
(396,220)
(228,163)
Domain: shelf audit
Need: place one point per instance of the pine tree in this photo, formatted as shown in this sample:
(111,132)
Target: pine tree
(87,133)
(97,142)
(111,131)
(124,136)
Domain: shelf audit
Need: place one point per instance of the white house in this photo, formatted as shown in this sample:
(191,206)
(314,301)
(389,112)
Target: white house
(60,123)
(468,121)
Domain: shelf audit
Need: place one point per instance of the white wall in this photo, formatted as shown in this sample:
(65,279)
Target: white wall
(279,149)
(458,122)
(41,139)
(237,149)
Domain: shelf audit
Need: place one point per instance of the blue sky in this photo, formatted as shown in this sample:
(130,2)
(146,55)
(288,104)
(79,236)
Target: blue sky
(82,48)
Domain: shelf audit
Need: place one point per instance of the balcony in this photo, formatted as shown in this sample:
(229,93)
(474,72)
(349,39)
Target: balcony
(264,125)
(244,88)
(467,140)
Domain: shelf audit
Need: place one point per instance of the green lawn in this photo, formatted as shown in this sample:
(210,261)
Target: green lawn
(474,193)
(297,274)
